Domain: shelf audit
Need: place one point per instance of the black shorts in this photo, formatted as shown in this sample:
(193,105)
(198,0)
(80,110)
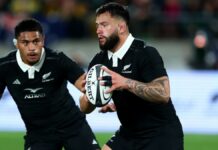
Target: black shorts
(84,140)
(167,139)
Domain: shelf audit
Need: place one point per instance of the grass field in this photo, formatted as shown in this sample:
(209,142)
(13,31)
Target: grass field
(14,141)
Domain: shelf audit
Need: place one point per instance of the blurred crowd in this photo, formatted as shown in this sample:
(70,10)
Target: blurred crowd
(74,19)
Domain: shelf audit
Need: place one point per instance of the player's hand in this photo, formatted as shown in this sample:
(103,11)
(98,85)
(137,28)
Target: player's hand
(83,83)
(85,105)
(80,83)
(117,82)
(108,108)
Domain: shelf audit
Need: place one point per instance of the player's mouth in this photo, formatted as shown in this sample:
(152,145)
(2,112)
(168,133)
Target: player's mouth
(33,56)
(101,40)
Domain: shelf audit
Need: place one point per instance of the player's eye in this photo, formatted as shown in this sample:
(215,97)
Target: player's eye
(104,24)
(35,42)
(101,25)
(25,42)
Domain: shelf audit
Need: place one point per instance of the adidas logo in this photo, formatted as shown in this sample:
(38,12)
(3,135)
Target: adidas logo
(94,142)
(16,82)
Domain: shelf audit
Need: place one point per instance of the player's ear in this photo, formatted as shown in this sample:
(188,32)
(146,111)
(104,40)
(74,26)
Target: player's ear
(122,27)
(43,39)
(15,42)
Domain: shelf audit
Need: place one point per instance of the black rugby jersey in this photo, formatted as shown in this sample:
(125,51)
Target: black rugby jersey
(44,102)
(137,116)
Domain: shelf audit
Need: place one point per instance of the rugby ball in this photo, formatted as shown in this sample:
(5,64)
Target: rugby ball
(94,91)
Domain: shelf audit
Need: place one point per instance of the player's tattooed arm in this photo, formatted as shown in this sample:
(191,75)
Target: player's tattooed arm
(156,91)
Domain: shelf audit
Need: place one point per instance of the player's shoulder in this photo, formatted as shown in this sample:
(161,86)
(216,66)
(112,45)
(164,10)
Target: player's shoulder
(52,54)
(141,48)
(10,57)
(101,53)
(140,45)
(100,56)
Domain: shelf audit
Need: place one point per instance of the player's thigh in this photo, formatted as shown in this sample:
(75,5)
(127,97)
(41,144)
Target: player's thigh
(84,140)
(118,142)
(42,146)
(168,138)
(106,147)
(172,137)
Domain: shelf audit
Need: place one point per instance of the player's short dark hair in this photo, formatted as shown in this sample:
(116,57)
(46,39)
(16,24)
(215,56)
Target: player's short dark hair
(115,9)
(29,24)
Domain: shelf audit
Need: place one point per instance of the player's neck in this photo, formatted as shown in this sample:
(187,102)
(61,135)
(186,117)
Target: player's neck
(120,43)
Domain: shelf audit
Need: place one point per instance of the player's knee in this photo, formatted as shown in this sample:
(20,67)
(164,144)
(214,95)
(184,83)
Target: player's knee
(105,147)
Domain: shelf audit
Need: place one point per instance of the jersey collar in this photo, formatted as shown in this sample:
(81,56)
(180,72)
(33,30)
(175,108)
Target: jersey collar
(35,67)
(122,51)
(124,48)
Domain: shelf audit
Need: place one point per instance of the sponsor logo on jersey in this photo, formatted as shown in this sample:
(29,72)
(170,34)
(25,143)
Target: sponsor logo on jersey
(33,93)
(45,77)
(17,82)
(126,69)
(33,90)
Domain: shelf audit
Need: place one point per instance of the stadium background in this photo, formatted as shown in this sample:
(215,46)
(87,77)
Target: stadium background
(184,32)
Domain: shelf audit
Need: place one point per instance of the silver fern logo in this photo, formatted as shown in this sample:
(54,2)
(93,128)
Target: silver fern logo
(126,69)
(45,76)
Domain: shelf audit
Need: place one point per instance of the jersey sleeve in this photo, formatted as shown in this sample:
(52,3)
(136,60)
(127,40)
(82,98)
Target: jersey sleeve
(70,68)
(96,60)
(152,65)
(2,83)
(92,63)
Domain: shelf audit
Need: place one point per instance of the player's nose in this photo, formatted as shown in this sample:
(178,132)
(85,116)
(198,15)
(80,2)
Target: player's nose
(99,30)
(31,46)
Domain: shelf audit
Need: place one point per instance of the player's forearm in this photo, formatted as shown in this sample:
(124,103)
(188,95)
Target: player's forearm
(85,105)
(155,91)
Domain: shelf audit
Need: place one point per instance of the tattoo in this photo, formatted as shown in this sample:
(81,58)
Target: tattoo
(154,91)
